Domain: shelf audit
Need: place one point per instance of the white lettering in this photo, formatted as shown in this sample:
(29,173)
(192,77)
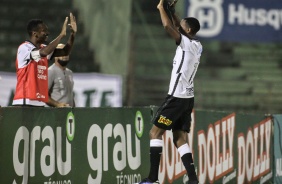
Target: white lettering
(254,161)
(249,154)
(21,168)
(210,153)
(41,67)
(121,155)
(48,152)
(95,162)
(107,133)
(63,167)
(35,136)
(215,158)
(130,179)
(119,148)
(41,76)
(135,162)
(241,158)
(47,155)
(252,17)
(202,156)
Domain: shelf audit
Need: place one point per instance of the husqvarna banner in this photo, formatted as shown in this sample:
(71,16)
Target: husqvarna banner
(111,145)
(90,89)
(240,20)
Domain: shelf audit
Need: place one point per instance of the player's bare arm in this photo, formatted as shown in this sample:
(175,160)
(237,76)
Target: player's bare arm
(168,26)
(53,103)
(68,46)
(52,46)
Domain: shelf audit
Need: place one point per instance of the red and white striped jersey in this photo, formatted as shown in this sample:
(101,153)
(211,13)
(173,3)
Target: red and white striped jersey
(32,77)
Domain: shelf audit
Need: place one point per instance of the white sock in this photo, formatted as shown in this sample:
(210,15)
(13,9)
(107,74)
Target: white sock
(156,143)
(182,150)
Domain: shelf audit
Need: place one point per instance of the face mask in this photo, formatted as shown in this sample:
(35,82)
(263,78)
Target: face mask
(63,63)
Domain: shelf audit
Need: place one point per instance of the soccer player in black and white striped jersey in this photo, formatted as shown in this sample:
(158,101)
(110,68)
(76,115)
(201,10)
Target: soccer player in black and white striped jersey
(175,112)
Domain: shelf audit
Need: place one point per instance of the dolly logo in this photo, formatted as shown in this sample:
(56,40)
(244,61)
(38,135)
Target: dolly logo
(210,15)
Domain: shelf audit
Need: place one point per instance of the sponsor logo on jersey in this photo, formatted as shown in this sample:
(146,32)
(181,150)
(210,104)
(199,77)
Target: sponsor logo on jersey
(164,120)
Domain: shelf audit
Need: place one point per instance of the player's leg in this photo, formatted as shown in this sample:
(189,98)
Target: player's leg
(156,148)
(162,122)
(180,141)
(180,138)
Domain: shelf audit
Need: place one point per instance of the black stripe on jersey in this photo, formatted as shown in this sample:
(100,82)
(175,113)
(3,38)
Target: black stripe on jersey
(179,74)
(192,75)
(27,61)
(175,84)
(182,60)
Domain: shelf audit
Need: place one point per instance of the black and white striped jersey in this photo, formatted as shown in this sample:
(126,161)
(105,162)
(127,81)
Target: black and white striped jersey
(185,65)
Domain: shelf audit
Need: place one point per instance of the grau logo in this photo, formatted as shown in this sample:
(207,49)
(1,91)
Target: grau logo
(210,15)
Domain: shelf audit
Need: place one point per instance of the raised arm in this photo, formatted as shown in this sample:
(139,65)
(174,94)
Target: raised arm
(175,18)
(52,46)
(68,46)
(168,25)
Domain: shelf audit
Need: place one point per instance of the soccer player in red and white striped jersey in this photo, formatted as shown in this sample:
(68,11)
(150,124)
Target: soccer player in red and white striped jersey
(32,61)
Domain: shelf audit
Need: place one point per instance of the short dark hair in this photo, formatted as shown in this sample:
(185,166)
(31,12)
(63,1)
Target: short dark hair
(33,25)
(193,24)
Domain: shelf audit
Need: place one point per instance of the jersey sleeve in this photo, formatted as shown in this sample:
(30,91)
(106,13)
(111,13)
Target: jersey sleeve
(185,43)
(24,54)
(192,45)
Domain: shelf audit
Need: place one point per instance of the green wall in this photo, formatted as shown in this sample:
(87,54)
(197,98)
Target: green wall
(111,145)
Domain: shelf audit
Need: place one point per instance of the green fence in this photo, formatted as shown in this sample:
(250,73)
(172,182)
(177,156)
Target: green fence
(111,145)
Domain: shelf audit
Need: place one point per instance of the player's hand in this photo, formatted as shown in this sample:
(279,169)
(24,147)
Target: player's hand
(72,24)
(161,4)
(173,3)
(171,6)
(64,28)
(62,105)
